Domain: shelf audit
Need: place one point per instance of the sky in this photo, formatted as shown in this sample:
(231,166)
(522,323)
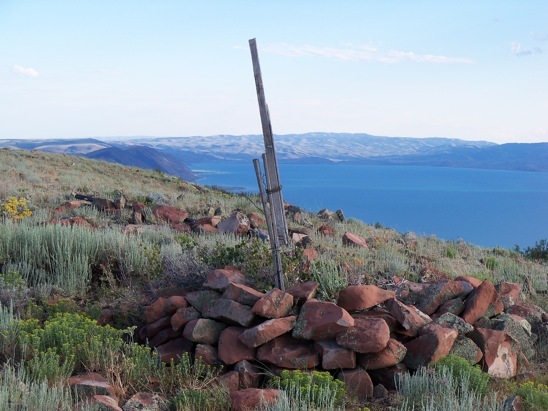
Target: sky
(468,69)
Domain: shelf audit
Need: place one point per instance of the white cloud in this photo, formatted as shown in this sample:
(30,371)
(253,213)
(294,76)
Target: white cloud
(360,53)
(25,71)
(517,50)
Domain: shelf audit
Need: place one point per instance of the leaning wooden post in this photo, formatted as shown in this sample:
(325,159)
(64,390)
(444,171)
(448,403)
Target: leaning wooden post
(271,166)
(274,242)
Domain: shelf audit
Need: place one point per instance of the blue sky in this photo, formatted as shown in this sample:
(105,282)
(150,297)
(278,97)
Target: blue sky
(475,70)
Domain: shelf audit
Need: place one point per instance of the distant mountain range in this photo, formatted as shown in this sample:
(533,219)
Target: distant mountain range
(172,155)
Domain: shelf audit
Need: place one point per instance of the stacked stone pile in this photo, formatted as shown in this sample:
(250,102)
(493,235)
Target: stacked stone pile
(368,337)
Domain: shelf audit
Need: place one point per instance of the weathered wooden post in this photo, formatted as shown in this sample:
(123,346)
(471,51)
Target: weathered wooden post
(274,187)
(271,198)
(274,241)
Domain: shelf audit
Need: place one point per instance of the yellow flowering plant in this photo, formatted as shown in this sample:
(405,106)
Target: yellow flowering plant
(16,208)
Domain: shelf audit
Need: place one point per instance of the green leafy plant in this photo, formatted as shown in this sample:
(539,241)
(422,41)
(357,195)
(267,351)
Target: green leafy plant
(535,395)
(310,390)
(462,369)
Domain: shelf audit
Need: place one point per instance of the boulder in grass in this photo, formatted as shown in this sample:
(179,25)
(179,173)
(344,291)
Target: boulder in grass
(99,402)
(207,353)
(251,398)
(354,240)
(237,223)
(169,214)
(91,383)
(145,401)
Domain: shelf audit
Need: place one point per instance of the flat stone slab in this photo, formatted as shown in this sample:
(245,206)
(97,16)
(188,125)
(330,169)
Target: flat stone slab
(320,320)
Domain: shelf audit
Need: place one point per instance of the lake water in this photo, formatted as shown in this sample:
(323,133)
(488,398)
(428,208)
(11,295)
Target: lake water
(484,207)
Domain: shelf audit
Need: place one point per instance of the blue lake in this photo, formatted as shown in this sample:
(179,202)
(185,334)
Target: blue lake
(484,207)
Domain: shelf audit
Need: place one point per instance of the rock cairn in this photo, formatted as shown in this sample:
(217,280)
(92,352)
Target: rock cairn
(369,337)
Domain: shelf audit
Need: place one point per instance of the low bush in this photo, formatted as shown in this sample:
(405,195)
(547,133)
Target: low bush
(309,391)
(462,369)
(534,395)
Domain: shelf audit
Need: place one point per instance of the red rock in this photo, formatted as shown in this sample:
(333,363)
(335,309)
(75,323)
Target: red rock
(530,312)
(267,331)
(70,205)
(231,350)
(387,376)
(250,398)
(466,348)
(500,352)
(181,228)
(103,204)
(249,374)
(439,293)
(454,306)
(163,336)
(310,254)
(319,320)
(510,294)
(91,383)
(144,401)
(99,402)
(478,302)
(75,221)
(255,221)
(205,229)
(220,278)
(242,294)
(431,275)
(207,353)
(168,214)
(174,349)
(475,282)
(288,352)
(335,357)
(228,311)
(357,382)
(229,381)
(326,230)
(182,316)
(154,328)
(393,353)
(362,297)
(353,240)
(379,312)
(139,207)
(302,292)
(408,316)
(367,335)
(274,304)
(198,299)
(237,223)
(163,307)
(429,348)
(211,221)
(204,331)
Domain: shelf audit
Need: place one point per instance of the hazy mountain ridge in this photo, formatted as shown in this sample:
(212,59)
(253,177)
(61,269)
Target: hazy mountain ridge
(171,154)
